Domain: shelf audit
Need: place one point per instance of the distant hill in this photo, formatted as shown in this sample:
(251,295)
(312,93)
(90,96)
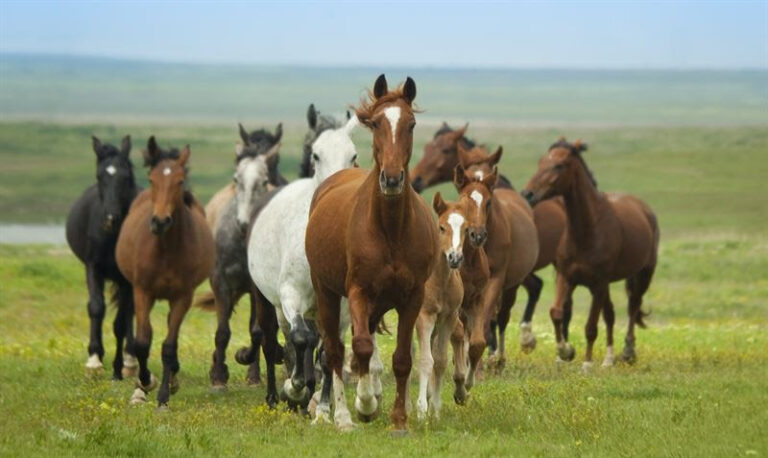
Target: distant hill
(81,89)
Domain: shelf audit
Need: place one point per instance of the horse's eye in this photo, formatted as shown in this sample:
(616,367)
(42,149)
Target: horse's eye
(442,228)
(375,124)
(488,205)
(181,182)
(315,157)
(412,126)
(559,167)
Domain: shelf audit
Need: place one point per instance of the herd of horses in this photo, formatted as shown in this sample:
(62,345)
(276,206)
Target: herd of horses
(341,246)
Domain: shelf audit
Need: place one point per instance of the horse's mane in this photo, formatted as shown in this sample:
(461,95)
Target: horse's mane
(170,154)
(369,106)
(324,122)
(467,143)
(576,149)
(262,135)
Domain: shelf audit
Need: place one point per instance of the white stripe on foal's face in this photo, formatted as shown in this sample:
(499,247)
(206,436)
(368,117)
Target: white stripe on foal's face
(167,171)
(393,116)
(455,220)
(111,169)
(477,197)
(479,175)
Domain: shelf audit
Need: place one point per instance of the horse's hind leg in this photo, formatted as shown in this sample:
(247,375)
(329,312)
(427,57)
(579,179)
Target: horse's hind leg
(508,298)
(249,356)
(425,324)
(533,286)
(267,328)
(170,383)
(459,344)
(440,357)
(599,296)
(636,287)
(560,315)
(96,311)
(123,366)
(219,372)
(146,382)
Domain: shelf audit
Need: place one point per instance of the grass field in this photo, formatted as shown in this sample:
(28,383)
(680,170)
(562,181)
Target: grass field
(699,387)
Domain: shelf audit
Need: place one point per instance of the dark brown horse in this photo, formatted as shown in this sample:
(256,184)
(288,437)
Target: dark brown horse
(609,237)
(165,250)
(371,238)
(441,155)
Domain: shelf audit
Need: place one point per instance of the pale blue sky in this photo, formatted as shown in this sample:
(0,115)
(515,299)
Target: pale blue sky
(446,34)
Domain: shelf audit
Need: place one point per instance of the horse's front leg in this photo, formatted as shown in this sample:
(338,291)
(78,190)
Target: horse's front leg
(125,364)
(170,351)
(459,344)
(425,324)
(96,310)
(478,320)
(360,307)
(407,313)
(146,382)
(560,314)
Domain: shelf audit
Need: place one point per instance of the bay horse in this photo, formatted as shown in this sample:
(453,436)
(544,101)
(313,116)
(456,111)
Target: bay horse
(372,239)
(278,264)
(439,314)
(93,225)
(165,250)
(441,155)
(511,245)
(609,237)
(229,278)
(256,143)
(317,123)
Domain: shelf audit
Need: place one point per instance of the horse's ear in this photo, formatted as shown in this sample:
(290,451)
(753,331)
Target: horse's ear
(380,86)
(579,146)
(351,124)
(96,146)
(349,115)
(459,133)
(496,157)
(312,116)
(184,156)
(151,152)
(459,177)
(438,204)
(125,146)
(272,157)
(244,135)
(490,180)
(463,152)
(239,150)
(278,132)
(409,90)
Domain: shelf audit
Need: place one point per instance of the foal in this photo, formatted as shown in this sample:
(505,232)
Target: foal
(165,250)
(278,264)
(372,239)
(609,237)
(511,244)
(93,225)
(442,299)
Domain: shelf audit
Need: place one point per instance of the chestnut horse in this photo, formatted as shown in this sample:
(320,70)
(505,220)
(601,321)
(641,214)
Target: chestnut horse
(165,250)
(441,155)
(609,237)
(371,238)
(510,241)
(439,314)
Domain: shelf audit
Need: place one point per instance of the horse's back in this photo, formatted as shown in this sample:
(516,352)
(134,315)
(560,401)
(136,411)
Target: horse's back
(523,240)
(78,221)
(640,233)
(550,219)
(216,205)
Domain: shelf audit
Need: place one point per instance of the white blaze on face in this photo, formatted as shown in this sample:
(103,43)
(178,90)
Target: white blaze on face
(393,116)
(455,220)
(167,171)
(111,169)
(477,197)
(479,175)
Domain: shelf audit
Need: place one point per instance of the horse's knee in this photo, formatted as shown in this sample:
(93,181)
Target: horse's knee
(556,314)
(96,309)
(169,356)
(223,334)
(141,348)
(590,331)
(362,346)
(476,347)
(401,364)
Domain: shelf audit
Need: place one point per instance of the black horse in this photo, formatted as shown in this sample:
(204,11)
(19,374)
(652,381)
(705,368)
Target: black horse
(318,123)
(93,225)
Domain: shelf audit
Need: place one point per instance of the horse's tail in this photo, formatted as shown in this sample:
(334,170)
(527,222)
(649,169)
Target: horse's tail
(382,328)
(206,301)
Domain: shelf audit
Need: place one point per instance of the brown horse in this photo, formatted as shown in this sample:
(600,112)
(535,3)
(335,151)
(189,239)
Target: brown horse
(165,250)
(510,242)
(371,238)
(441,155)
(609,237)
(439,314)
(549,218)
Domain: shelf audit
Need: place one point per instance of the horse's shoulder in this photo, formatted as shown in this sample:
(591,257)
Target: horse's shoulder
(348,179)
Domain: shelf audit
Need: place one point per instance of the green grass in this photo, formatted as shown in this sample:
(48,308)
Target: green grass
(699,387)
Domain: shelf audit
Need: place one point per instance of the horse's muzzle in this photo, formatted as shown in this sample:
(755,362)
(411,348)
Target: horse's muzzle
(160,225)
(391,186)
(478,236)
(110,222)
(455,259)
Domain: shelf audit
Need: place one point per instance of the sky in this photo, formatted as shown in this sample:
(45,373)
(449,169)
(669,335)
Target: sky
(547,34)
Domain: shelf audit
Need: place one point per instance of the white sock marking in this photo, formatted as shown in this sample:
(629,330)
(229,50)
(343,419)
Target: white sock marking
(393,116)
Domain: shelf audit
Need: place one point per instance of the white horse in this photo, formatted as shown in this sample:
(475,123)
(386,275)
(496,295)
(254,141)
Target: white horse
(278,263)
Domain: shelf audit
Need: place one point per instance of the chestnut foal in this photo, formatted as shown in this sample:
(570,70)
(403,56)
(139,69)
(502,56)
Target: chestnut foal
(165,250)
(371,238)
(609,237)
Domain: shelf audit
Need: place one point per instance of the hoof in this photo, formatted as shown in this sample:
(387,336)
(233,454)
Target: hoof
(587,366)
(399,433)
(218,389)
(243,356)
(566,352)
(312,405)
(139,397)
(174,385)
(272,401)
(162,408)
(322,415)
(152,384)
(608,361)
(252,381)
(129,372)
(346,427)
(527,338)
(94,366)
(628,355)
(367,417)
(460,399)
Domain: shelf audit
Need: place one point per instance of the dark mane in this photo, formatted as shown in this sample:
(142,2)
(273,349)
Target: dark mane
(162,155)
(262,135)
(324,122)
(576,149)
(467,143)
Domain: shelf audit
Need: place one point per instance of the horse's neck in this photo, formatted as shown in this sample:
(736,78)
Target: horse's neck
(442,270)
(473,256)
(173,238)
(582,205)
(388,213)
